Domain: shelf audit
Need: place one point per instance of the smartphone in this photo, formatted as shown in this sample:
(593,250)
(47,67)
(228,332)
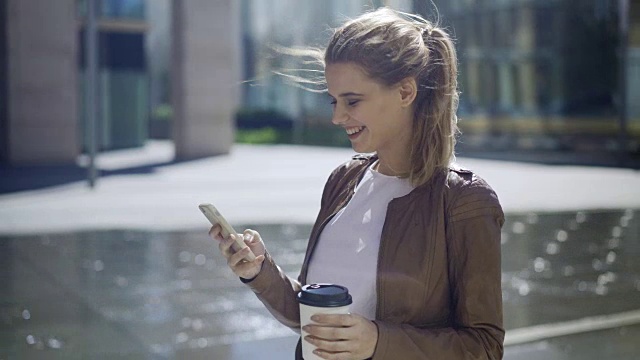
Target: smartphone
(214,216)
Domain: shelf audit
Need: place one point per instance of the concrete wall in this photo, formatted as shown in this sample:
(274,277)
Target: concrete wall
(633,63)
(42,81)
(157,43)
(3,82)
(206,66)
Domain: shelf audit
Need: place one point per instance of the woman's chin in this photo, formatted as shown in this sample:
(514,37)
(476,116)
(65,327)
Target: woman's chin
(359,148)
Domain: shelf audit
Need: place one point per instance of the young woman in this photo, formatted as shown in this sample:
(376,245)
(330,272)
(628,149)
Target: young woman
(414,238)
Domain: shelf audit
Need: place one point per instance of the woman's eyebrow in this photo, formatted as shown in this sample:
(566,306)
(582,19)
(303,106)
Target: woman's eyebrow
(350,93)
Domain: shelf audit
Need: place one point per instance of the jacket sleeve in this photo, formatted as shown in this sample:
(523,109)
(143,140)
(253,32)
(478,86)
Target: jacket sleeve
(277,292)
(474,223)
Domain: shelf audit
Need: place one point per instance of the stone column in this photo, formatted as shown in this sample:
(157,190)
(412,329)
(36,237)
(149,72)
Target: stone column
(42,39)
(205,75)
(526,40)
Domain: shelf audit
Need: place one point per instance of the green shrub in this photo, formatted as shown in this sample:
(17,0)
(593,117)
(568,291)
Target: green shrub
(249,118)
(163,112)
(318,135)
(257,136)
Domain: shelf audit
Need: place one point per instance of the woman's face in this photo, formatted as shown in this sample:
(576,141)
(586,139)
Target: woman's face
(374,116)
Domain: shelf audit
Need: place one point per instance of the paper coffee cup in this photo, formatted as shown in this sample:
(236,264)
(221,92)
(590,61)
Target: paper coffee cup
(320,299)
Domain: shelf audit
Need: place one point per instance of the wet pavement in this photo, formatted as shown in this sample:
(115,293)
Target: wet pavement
(618,343)
(562,266)
(126,294)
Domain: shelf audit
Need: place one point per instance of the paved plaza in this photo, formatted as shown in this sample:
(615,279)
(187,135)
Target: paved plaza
(145,189)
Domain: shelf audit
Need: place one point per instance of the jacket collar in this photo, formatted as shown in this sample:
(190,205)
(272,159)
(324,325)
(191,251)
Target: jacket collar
(439,177)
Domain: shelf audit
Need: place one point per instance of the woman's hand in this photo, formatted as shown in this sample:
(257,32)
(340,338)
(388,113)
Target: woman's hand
(348,336)
(235,260)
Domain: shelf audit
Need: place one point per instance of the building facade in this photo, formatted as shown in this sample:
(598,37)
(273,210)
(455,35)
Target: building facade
(546,74)
(534,74)
(542,75)
(42,76)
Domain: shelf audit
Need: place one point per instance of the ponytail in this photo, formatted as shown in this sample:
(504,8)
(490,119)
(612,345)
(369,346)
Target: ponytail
(435,121)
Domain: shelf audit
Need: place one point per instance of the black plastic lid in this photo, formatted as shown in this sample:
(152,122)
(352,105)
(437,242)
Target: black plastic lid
(324,295)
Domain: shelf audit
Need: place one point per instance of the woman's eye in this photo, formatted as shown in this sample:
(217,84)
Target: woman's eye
(349,102)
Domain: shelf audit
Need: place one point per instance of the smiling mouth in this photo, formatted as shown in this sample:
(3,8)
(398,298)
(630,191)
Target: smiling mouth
(354,130)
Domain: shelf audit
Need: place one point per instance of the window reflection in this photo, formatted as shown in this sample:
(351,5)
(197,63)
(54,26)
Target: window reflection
(546,70)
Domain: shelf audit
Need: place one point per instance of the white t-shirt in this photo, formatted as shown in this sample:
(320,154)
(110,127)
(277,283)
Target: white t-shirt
(347,250)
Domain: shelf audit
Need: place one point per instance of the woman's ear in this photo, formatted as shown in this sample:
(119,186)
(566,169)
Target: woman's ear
(408,91)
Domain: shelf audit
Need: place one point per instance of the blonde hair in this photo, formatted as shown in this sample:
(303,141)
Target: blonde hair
(391,46)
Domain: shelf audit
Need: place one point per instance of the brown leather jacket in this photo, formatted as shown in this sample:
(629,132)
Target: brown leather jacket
(438,283)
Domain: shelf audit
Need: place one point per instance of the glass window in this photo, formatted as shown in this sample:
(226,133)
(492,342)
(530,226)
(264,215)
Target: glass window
(133,9)
(118,9)
(505,85)
(546,86)
(547,26)
(487,24)
(488,82)
(502,29)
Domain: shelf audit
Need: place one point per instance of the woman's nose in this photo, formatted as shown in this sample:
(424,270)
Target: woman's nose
(339,116)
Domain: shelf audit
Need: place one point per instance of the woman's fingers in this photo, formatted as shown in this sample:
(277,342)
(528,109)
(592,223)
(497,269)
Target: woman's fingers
(245,269)
(330,345)
(249,237)
(328,332)
(339,335)
(226,246)
(254,241)
(337,319)
(216,232)
(238,257)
